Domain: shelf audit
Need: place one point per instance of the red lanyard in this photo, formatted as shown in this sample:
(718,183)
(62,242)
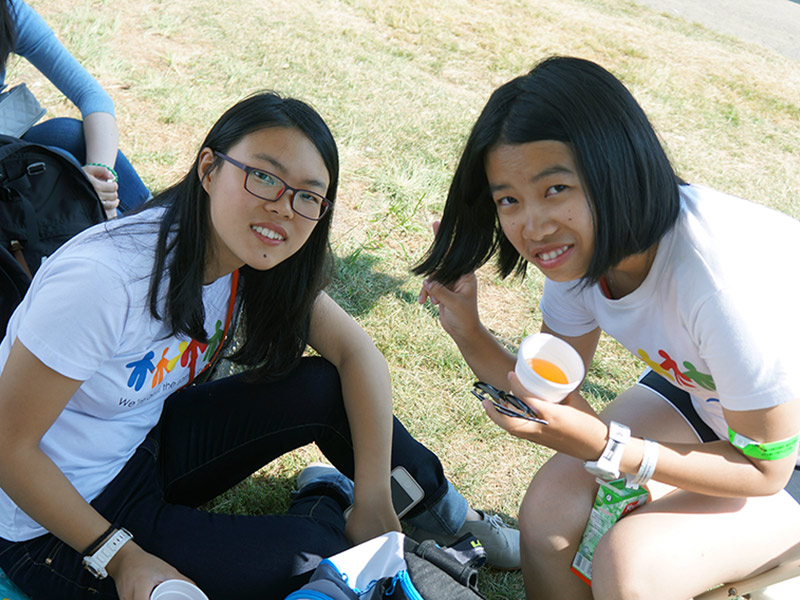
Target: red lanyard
(228,318)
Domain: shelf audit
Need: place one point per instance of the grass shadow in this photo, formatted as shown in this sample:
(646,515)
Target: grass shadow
(258,494)
(601,393)
(357,285)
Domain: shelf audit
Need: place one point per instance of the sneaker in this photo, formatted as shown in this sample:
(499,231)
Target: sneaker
(500,541)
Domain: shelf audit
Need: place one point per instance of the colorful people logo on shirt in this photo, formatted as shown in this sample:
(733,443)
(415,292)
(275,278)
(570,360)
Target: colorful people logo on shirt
(668,368)
(187,357)
(139,369)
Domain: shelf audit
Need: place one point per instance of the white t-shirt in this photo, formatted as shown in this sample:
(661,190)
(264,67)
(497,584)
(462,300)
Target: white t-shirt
(717,314)
(86,316)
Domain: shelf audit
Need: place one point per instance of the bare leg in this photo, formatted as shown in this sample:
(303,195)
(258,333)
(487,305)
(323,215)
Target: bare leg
(555,509)
(551,521)
(683,544)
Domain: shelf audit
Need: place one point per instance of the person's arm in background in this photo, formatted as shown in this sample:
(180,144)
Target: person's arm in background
(39,45)
(102,142)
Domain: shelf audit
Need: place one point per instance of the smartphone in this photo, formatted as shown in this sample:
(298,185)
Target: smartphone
(406,492)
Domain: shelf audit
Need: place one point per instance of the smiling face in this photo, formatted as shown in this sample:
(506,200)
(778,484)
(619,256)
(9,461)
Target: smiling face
(244,228)
(542,206)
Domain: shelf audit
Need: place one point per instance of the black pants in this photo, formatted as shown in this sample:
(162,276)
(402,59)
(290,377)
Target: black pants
(211,437)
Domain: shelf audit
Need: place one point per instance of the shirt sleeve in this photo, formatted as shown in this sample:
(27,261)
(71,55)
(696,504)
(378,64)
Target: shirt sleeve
(74,316)
(39,45)
(563,308)
(751,352)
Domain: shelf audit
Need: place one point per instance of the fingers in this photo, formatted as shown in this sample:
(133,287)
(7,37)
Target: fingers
(427,293)
(435,226)
(437,292)
(107,192)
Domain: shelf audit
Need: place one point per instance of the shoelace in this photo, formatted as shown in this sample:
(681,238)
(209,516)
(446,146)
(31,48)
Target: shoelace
(494,521)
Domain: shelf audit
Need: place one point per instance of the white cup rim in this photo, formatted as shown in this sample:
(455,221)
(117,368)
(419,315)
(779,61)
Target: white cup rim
(185,588)
(566,358)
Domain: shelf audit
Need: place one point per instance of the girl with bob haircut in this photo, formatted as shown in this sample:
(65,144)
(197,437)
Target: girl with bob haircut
(109,440)
(562,170)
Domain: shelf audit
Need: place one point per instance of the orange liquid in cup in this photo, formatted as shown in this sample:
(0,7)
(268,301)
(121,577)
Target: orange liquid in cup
(548,370)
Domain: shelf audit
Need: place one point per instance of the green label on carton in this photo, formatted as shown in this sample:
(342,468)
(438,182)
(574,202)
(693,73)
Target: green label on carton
(612,502)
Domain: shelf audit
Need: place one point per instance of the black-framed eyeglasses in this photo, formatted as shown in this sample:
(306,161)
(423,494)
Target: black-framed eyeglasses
(270,187)
(506,404)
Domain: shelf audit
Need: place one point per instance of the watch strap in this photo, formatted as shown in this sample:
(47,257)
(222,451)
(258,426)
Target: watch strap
(607,466)
(96,563)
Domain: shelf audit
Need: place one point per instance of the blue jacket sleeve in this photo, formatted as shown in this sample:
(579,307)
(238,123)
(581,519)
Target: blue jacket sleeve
(39,45)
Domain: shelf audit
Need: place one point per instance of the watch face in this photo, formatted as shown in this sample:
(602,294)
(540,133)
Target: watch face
(99,573)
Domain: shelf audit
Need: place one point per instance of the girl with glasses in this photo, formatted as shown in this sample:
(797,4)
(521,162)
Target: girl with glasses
(564,172)
(110,439)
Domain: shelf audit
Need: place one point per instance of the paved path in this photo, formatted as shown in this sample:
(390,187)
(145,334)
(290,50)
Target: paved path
(774,24)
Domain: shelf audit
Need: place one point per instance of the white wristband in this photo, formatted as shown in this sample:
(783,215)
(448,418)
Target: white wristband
(97,562)
(648,466)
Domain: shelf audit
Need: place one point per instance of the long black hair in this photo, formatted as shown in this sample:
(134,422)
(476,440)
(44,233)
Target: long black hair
(8,32)
(630,184)
(276,303)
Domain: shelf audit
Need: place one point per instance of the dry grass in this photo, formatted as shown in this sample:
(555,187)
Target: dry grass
(400,82)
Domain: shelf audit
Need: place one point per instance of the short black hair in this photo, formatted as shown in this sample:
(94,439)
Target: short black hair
(630,184)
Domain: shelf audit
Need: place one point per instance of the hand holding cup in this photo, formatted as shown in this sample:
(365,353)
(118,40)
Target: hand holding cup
(548,367)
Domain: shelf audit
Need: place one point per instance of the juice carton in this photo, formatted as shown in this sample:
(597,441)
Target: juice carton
(613,501)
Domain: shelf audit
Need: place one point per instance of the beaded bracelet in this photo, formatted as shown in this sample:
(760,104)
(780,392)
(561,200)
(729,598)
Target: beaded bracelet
(106,167)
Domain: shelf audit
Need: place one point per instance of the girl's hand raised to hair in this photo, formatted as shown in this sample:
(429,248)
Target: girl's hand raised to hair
(457,302)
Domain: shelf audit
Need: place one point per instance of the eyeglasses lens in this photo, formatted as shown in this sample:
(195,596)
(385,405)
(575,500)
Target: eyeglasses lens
(269,187)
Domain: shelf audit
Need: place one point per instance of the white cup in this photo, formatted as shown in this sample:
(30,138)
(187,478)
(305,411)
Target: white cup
(177,589)
(559,354)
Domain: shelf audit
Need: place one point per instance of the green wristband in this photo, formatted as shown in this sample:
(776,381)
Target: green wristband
(763,451)
(106,167)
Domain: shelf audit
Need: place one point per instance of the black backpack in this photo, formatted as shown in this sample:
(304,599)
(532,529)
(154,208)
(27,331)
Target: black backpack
(45,199)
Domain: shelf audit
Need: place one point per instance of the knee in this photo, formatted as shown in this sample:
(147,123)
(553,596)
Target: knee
(62,132)
(554,511)
(536,530)
(63,127)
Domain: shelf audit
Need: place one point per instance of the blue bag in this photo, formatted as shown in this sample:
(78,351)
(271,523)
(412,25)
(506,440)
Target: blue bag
(8,591)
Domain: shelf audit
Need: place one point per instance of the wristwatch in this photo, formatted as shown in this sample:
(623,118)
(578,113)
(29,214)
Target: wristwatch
(96,563)
(607,466)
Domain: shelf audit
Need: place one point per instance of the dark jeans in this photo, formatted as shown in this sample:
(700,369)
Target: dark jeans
(210,437)
(67,134)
